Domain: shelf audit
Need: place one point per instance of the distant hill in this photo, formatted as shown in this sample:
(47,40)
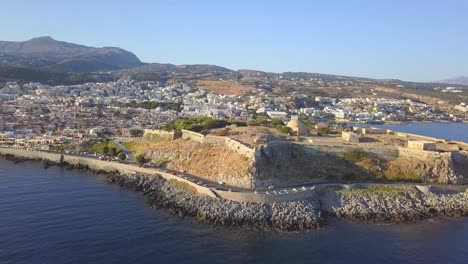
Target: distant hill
(459,80)
(46,53)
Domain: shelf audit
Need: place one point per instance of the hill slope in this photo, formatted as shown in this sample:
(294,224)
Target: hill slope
(49,54)
(459,80)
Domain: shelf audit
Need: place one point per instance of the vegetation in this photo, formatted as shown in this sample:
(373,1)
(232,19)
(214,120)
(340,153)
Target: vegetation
(355,155)
(140,159)
(153,105)
(102,147)
(199,124)
(405,176)
(257,122)
(121,157)
(130,145)
(223,132)
(331,122)
(323,131)
(283,129)
(136,132)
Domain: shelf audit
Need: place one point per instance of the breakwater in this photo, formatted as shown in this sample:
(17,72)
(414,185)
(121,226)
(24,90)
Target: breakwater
(301,212)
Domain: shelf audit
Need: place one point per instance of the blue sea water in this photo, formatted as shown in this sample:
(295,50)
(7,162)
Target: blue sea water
(450,131)
(59,216)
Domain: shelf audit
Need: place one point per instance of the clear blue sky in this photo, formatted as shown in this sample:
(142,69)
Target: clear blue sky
(411,40)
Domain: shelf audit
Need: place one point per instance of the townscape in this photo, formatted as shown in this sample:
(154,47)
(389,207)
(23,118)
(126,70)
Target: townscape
(36,115)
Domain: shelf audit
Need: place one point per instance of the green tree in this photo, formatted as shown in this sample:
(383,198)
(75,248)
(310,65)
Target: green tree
(140,159)
(136,132)
(323,131)
(121,157)
(105,150)
(331,122)
(113,151)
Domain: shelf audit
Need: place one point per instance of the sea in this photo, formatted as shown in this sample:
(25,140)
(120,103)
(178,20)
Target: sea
(59,216)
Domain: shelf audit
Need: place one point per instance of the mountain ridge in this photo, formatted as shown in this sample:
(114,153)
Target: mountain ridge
(46,53)
(458,80)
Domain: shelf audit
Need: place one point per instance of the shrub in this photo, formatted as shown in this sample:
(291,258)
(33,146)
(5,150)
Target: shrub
(355,155)
(121,157)
(223,132)
(283,129)
(323,131)
(140,159)
(331,122)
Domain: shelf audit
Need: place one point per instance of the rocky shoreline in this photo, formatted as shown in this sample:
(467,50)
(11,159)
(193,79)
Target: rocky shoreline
(402,205)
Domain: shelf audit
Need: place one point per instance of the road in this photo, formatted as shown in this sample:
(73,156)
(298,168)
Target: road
(129,154)
(440,188)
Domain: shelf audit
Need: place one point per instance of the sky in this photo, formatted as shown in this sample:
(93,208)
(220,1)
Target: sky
(411,40)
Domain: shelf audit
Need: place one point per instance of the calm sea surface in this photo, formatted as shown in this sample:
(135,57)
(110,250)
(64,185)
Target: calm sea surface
(58,216)
(452,131)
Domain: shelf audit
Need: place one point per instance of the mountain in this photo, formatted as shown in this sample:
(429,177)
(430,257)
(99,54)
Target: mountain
(459,80)
(46,53)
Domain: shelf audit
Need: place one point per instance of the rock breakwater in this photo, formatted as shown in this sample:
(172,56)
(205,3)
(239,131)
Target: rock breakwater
(391,204)
(366,203)
(282,216)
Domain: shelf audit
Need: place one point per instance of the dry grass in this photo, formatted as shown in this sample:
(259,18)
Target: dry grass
(224,87)
(196,158)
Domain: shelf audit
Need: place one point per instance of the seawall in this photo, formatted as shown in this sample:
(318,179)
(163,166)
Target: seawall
(300,210)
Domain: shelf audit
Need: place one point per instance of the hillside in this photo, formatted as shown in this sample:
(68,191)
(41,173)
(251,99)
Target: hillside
(47,53)
(459,80)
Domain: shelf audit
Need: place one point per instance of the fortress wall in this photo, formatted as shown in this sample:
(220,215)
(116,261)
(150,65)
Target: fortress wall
(160,133)
(240,148)
(186,134)
(218,140)
(214,140)
(423,155)
(420,137)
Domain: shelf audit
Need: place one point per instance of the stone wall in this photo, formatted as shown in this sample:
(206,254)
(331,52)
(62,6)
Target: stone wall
(432,166)
(169,135)
(186,134)
(96,164)
(217,140)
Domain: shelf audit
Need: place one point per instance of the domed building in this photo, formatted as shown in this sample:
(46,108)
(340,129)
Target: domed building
(297,126)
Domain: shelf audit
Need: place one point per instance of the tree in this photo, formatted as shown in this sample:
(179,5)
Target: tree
(113,151)
(136,132)
(121,157)
(105,150)
(323,131)
(331,122)
(140,159)
(283,129)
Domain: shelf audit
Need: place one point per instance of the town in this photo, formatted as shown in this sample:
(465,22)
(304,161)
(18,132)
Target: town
(36,115)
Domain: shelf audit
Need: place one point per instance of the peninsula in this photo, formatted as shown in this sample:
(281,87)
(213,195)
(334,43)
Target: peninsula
(256,177)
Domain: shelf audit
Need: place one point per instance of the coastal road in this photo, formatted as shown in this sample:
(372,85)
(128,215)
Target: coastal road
(438,188)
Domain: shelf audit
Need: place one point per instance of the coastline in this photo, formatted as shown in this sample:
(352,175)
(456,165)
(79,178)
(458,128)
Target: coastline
(357,204)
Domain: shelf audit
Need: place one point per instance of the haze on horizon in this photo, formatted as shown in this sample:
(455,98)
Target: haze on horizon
(408,40)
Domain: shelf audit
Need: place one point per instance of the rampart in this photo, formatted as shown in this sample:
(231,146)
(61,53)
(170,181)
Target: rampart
(96,164)
(423,155)
(461,144)
(169,135)
(217,140)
